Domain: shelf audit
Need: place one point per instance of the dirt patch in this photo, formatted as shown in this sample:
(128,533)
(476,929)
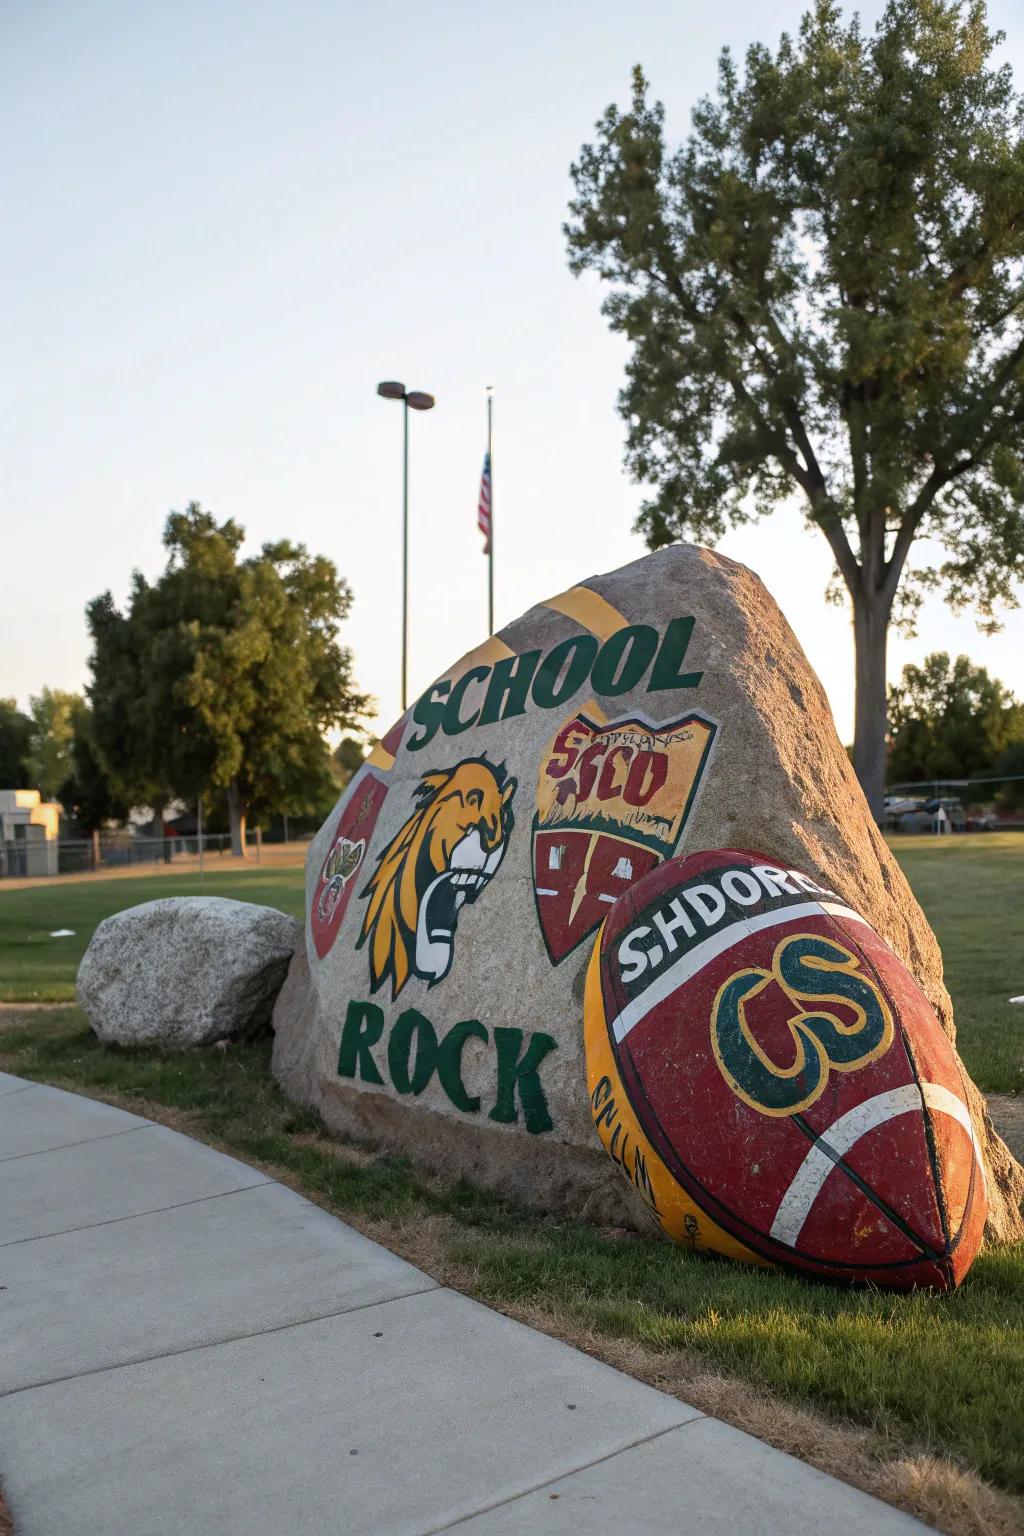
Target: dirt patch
(32,1007)
(6,1523)
(1007,1111)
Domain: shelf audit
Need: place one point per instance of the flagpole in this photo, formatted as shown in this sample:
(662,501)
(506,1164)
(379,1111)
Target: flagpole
(490,541)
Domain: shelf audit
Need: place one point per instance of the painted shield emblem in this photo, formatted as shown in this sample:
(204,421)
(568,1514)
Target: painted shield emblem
(612,801)
(344,858)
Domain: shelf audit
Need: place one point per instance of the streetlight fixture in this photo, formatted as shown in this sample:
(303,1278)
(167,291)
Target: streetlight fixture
(390,389)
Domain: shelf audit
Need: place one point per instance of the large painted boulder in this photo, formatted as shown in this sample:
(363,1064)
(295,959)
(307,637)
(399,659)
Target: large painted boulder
(454,893)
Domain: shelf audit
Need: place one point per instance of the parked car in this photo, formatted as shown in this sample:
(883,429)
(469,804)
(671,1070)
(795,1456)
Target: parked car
(895,808)
(925,817)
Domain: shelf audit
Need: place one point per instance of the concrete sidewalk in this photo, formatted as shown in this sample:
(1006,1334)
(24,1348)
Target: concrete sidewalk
(189,1347)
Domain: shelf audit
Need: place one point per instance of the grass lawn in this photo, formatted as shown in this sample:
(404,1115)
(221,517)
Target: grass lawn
(972,890)
(868,1385)
(37,968)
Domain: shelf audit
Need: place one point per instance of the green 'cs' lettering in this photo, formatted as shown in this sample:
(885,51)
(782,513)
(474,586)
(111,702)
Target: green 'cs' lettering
(809,969)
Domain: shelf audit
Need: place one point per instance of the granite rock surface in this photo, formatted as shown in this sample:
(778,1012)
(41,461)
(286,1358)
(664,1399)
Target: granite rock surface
(455,890)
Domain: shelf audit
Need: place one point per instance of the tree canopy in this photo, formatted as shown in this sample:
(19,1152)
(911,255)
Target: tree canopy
(823,290)
(87,794)
(223,675)
(49,753)
(15,741)
(949,719)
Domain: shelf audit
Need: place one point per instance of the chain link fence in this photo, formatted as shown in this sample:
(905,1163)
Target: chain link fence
(985,803)
(22,858)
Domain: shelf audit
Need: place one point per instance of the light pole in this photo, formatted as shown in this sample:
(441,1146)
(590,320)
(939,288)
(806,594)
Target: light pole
(392,390)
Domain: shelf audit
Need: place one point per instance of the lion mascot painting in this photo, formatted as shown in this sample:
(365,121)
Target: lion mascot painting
(442,857)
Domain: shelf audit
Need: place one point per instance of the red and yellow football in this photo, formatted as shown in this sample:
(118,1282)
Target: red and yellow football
(773,1082)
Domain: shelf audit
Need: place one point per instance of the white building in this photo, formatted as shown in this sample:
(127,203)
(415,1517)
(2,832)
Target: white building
(28,833)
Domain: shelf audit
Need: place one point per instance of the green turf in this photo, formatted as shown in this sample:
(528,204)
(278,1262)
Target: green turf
(972,890)
(940,1373)
(37,968)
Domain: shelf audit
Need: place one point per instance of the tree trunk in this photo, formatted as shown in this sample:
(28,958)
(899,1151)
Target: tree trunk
(870,634)
(158,831)
(236,816)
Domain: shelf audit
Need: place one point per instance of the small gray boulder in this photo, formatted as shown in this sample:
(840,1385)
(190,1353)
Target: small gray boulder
(185,971)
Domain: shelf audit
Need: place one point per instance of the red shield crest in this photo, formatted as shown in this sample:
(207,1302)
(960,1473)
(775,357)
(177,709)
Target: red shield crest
(612,801)
(344,859)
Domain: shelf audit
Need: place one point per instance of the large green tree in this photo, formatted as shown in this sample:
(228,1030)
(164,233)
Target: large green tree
(237,669)
(949,720)
(823,290)
(1010,793)
(130,734)
(87,793)
(49,755)
(15,743)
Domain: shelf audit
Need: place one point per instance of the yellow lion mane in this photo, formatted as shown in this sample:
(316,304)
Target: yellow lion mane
(448,804)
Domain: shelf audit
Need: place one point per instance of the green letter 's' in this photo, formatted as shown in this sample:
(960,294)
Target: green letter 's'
(453,723)
(428,711)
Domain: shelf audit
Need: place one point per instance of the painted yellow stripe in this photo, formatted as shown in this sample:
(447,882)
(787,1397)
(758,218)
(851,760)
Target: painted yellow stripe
(588,609)
(378,758)
(484,655)
(593,711)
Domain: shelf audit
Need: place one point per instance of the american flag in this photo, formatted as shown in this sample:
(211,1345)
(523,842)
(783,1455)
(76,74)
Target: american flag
(483,511)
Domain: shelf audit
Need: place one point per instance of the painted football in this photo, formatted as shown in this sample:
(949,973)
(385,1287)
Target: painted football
(773,1082)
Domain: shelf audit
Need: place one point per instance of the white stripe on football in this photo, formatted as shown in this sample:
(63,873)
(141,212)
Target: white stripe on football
(795,1205)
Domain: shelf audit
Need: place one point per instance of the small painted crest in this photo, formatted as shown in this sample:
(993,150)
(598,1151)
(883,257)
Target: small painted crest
(612,801)
(344,858)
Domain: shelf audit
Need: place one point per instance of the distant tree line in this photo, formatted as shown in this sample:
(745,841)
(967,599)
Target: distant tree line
(948,719)
(217,682)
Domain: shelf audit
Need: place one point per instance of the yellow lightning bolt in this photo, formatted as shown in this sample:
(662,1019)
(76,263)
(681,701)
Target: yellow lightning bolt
(581,883)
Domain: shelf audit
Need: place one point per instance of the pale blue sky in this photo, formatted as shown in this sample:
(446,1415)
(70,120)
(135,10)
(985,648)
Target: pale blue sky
(225,222)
